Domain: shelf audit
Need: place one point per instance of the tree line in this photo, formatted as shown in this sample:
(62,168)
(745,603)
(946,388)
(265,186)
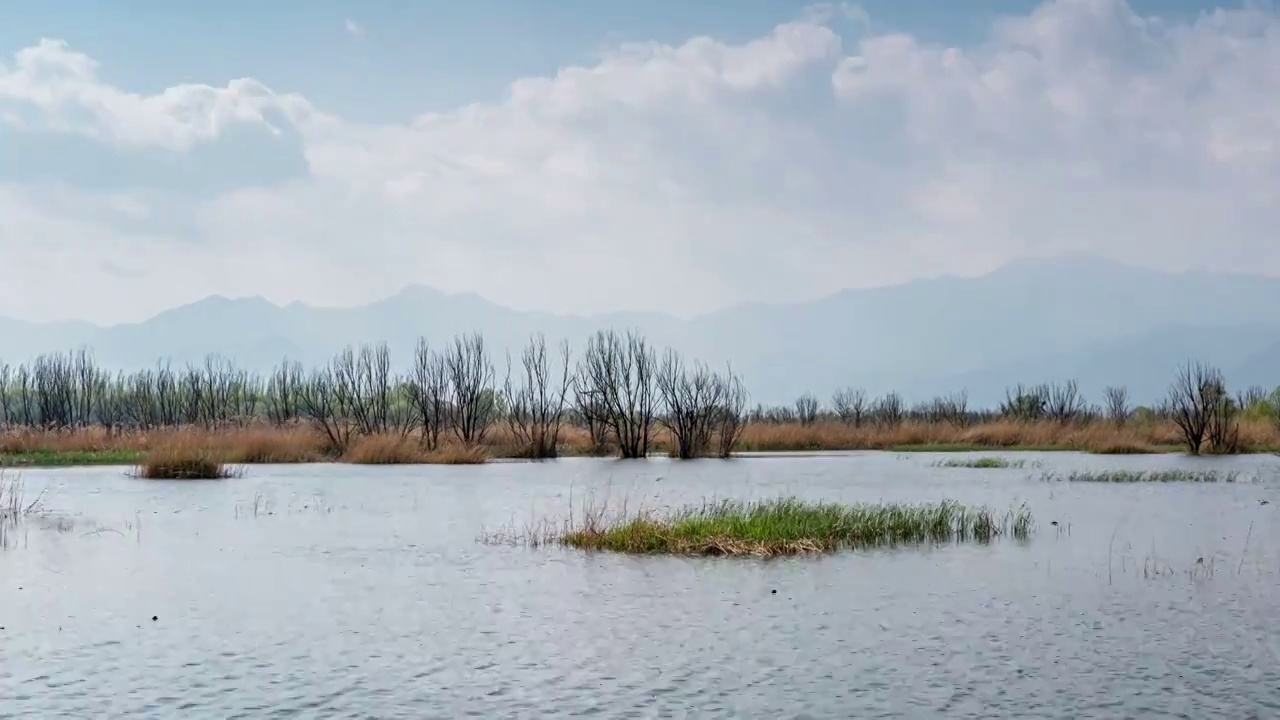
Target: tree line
(620,389)
(1198,403)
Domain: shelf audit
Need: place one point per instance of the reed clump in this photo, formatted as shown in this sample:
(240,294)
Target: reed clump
(982,463)
(184,459)
(783,526)
(406,450)
(458,454)
(1145,476)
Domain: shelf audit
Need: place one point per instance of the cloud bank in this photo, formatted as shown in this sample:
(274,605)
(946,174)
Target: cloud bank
(677,178)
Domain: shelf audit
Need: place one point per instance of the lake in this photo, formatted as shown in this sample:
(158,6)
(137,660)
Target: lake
(362,592)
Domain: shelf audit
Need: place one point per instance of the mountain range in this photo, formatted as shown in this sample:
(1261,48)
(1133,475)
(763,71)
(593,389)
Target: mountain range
(1075,317)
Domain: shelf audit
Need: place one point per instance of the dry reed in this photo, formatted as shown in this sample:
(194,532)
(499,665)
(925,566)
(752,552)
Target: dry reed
(184,458)
(262,443)
(400,450)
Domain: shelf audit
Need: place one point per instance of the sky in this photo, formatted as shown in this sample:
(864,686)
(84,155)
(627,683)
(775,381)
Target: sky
(581,156)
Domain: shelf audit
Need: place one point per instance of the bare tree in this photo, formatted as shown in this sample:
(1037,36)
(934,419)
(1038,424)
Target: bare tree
(850,405)
(889,410)
(1222,432)
(807,409)
(1201,408)
(7,414)
(535,407)
(321,403)
(282,393)
(732,414)
(1117,404)
(1025,403)
(953,409)
(471,376)
(691,399)
(591,412)
(380,398)
(1252,396)
(428,392)
(1064,402)
(617,377)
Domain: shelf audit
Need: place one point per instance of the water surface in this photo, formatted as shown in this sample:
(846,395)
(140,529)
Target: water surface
(339,591)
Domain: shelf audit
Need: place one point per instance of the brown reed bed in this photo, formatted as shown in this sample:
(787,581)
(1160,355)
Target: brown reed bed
(400,450)
(1098,436)
(185,458)
(262,443)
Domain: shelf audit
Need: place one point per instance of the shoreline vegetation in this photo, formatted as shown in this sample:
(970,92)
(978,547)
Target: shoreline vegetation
(617,397)
(776,527)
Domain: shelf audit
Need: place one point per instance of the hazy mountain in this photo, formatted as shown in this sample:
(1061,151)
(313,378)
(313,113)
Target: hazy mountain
(1145,363)
(1075,317)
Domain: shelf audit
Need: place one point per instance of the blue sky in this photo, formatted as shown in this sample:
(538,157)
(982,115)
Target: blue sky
(581,156)
(420,55)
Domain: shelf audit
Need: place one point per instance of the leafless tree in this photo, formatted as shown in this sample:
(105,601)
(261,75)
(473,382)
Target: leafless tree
(1202,409)
(1025,403)
(535,408)
(590,411)
(692,397)
(850,405)
(325,407)
(889,410)
(282,393)
(471,376)
(1250,397)
(616,374)
(953,409)
(428,392)
(807,409)
(366,393)
(1222,432)
(1117,404)
(7,414)
(356,394)
(732,414)
(775,415)
(1064,402)
(379,399)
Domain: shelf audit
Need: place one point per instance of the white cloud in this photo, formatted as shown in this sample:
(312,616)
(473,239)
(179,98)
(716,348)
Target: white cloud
(353,28)
(52,87)
(692,176)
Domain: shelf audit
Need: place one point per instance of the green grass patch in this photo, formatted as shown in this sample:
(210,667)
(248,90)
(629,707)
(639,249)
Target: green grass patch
(54,458)
(982,463)
(1144,476)
(784,526)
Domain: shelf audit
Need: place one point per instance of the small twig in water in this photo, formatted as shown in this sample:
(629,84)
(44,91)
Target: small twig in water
(1245,549)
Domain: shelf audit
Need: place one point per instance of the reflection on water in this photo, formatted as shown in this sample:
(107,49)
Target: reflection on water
(360,592)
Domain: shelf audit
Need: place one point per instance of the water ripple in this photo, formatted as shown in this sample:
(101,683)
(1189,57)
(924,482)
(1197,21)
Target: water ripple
(384,607)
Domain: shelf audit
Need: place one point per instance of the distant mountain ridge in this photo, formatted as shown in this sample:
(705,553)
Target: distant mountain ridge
(1099,322)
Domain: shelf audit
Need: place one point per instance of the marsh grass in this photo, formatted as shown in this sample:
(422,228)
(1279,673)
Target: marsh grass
(1128,446)
(185,459)
(1143,476)
(298,443)
(15,506)
(46,458)
(398,450)
(782,526)
(981,463)
(14,503)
